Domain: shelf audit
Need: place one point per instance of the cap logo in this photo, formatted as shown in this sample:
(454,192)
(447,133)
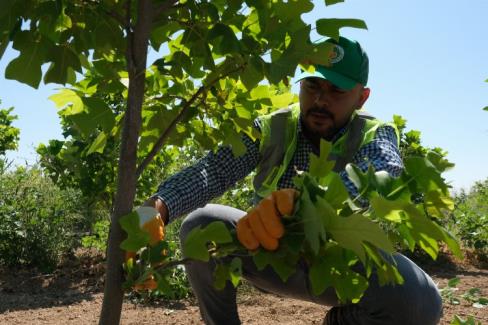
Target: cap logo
(336,55)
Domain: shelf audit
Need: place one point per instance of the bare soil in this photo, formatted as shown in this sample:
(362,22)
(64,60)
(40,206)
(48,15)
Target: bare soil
(73,295)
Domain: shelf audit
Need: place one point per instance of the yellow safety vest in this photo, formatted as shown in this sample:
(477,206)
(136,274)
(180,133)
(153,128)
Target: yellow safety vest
(279,141)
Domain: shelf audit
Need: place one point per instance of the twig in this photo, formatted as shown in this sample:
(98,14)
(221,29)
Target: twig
(178,118)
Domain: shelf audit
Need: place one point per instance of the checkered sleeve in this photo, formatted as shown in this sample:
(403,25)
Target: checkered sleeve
(382,153)
(208,178)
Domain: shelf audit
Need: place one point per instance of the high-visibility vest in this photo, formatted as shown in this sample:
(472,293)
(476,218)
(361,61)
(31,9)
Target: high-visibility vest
(279,141)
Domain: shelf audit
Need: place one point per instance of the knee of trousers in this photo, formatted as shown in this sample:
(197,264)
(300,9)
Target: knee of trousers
(201,218)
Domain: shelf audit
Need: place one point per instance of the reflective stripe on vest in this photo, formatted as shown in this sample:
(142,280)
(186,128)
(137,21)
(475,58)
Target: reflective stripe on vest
(279,140)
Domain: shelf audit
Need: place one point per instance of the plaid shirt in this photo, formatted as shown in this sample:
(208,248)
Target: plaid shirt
(215,173)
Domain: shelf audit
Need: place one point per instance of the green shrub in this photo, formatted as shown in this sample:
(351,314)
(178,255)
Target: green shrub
(98,237)
(38,221)
(469,221)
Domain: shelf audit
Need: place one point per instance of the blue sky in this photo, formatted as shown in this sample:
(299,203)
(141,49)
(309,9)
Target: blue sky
(428,63)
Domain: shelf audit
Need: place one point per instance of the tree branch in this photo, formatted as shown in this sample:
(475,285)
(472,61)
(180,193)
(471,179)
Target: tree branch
(178,118)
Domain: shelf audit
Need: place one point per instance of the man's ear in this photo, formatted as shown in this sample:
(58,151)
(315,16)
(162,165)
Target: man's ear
(364,97)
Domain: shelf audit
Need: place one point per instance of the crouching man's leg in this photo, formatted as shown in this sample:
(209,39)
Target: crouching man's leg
(216,306)
(219,306)
(417,301)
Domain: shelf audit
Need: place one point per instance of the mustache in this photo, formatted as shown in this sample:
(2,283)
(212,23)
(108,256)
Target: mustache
(320,111)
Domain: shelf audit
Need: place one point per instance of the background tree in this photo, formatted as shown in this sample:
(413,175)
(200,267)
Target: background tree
(219,52)
(9,135)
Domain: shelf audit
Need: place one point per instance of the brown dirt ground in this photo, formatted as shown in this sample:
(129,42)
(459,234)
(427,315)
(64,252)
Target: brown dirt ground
(73,295)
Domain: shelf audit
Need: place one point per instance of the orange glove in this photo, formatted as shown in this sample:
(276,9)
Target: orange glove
(262,225)
(151,222)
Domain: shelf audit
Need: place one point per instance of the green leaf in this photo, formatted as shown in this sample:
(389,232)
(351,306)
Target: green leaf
(26,68)
(136,237)
(332,270)
(313,221)
(252,74)
(485,108)
(426,233)
(63,59)
(332,2)
(235,142)
(260,92)
(452,283)
(391,210)
(351,232)
(223,39)
(280,261)
(99,113)
(98,144)
(439,162)
(68,97)
(195,245)
(231,272)
(283,100)
(330,26)
(336,193)
(425,174)
(435,202)
(357,177)
(321,166)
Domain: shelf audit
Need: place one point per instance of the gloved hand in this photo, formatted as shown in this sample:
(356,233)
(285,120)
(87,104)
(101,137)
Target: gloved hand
(262,225)
(149,221)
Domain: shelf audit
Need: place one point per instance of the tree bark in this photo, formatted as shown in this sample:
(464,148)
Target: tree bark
(136,56)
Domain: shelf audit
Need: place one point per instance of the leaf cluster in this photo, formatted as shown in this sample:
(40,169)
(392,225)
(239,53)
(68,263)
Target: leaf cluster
(9,135)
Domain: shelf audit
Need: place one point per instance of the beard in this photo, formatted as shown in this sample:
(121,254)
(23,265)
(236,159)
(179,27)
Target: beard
(319,123)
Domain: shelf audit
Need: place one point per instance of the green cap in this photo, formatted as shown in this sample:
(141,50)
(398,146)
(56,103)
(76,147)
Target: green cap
(349,65)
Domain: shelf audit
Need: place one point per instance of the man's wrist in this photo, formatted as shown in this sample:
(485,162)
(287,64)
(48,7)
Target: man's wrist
(159,205)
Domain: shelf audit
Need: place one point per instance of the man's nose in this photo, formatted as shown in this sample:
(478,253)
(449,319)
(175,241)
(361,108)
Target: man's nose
(322,97)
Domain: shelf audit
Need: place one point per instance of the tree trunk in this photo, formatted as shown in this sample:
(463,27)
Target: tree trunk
(136,55)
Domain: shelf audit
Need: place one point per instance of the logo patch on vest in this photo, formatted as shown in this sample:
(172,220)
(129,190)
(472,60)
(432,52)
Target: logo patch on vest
(336,55)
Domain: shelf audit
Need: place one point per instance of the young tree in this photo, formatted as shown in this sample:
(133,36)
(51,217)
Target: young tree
(219,52)
(9,135)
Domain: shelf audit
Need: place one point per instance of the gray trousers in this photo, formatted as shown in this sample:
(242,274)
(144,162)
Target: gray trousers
(417,301)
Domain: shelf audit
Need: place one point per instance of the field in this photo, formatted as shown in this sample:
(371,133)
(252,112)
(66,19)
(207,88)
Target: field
(73,295)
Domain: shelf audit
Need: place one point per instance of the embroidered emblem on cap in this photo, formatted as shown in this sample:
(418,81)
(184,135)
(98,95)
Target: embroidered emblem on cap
(336,55)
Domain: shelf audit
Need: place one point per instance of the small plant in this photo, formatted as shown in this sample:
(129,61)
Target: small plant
(459,321)
(38,221)
(448,292)
(99,236)
(469,220)
(472,296)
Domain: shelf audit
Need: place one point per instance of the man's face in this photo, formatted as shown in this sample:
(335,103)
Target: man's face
(325,108)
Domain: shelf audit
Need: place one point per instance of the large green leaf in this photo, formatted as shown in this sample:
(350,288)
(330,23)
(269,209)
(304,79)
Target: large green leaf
(67,97)
(336,193)
(332,271)
(63,59)
(436,202)
(26,68)
(331,26)
(351,232)
(195,245)
(136,237)
(321,166)
(231,272)
(425,174)
(391,210)
(426,233)
(313,223)
(98,144)
(282,263)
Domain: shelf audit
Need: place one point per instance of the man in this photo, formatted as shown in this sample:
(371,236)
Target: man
(329,102)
